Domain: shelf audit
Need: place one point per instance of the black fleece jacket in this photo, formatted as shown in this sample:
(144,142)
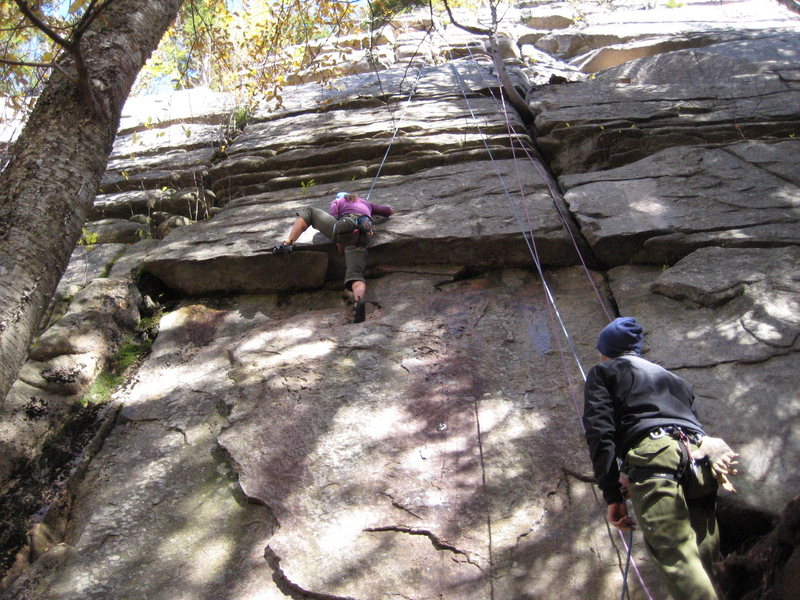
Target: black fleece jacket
(624,399)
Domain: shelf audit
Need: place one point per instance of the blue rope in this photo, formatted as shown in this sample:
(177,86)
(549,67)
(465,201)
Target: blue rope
(627,566)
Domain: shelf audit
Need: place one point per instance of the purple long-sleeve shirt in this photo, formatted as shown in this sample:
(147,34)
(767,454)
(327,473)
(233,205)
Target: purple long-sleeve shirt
(353,205)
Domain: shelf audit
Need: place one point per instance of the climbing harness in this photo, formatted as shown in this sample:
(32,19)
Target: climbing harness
(687,465)
(364,225)
(359,224)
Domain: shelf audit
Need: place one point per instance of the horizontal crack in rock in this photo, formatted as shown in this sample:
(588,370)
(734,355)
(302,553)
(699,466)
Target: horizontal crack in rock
(397,504)
(579,476)
(779,352)
(437,543)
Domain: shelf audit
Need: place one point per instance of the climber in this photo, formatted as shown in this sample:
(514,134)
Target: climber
(643,415)
(348,222)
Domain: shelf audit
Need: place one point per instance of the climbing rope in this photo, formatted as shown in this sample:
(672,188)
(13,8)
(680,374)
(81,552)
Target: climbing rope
(529,240)
(550,185)
(547,179)
(629,545)
(394,134)
(476,406)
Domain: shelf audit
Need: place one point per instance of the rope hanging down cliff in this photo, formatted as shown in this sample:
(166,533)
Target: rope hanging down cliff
(535,158)
(396,129)
(528,238)
(530,242)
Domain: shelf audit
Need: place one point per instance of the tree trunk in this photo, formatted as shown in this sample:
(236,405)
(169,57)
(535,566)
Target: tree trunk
(512,95)
(56,166)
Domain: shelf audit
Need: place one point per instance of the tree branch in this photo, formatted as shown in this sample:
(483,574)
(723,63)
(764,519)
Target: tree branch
(89,16)
(41,25)
(84,83)
(72,45)
(468,28)
(22,63)
(513,96)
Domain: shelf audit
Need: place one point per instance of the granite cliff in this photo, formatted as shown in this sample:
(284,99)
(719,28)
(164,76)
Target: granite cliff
(268,448)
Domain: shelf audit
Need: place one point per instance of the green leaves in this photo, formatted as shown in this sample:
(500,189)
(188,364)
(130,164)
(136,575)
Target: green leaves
(30,42)
(252,52)
(77,5)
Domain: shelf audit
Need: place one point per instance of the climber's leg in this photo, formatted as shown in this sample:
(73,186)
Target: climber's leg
(298,227)
(318,219)
(355,259)
(359,290)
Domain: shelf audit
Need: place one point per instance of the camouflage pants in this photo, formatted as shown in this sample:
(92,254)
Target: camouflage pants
(677,520)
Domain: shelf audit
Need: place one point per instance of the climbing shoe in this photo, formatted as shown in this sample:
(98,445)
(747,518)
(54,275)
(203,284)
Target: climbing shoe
(359,311)
(282,249)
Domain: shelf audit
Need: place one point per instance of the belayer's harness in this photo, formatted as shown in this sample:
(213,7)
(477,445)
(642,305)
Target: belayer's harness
(686,464)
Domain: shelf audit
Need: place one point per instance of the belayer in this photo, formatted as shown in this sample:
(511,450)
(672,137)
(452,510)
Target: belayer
(348,223)
(642,415)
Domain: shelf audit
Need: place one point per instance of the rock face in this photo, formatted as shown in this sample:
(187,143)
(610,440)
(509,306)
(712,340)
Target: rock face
(652,211)
(311,148)
(63,364)
(711,96)
(412,463)
(268,448)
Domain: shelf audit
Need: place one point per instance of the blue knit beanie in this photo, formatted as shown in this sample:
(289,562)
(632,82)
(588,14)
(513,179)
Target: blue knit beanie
(622,335)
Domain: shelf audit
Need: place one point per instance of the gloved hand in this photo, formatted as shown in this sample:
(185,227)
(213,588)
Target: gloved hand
(721,458)
(282,249)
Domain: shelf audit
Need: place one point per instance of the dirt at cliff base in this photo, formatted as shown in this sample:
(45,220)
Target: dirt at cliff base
(769,569)
(37,485)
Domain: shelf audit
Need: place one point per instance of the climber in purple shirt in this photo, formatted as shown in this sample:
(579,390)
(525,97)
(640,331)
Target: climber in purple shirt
(348,223)
(350,204)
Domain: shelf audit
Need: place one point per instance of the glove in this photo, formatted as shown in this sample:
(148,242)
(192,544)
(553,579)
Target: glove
(282,248)
(721,458)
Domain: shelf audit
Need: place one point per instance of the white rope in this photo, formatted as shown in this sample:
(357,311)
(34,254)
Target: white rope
(394,134)
(533,253)
(550,298)
(552,187)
